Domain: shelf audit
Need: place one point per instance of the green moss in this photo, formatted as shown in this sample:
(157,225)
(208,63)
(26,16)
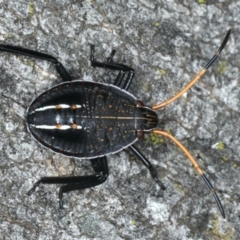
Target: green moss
(217,232)
(146,86)
(222,67)
(224,158)
(132,158)
(235,165)
(179,188)
(29,62)
(133,223)
(31,7)
(202,1)
(155,139)
(161,72)
(10,35)
(220,145)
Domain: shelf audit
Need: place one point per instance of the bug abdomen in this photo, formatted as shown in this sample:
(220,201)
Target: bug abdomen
(83,119)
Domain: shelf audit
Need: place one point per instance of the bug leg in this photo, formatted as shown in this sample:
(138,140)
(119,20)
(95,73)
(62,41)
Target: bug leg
(110,58)
(109,64)
(149,166)
(38,55)
(100,167)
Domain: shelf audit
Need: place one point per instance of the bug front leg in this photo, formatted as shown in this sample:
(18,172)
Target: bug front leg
(100,167)
(38,55)
(147,164)
(109,64)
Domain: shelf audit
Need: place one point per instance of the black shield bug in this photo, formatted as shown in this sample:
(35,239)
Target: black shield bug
(92,120)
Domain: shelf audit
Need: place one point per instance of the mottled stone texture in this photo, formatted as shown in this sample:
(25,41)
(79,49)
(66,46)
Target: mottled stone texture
(166,42)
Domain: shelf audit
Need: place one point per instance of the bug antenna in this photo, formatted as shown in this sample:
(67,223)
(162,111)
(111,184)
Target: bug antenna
(197,77)
(212,60)
(214,194)
(195,165)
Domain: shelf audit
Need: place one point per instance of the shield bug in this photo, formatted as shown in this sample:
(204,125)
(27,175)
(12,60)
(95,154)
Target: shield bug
(91,120)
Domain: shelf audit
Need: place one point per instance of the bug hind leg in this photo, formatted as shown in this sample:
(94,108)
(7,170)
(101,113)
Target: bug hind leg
(73,183)
(109,64)
(38,55)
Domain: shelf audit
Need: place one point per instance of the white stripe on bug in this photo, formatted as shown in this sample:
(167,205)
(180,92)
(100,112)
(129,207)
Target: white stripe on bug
(59,106)
(57,126)
(52,107)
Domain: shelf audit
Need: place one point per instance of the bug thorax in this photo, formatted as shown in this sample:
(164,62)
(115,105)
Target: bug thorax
(145,118)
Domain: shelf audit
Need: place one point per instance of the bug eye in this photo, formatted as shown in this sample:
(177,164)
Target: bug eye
(139,103)
(140,133)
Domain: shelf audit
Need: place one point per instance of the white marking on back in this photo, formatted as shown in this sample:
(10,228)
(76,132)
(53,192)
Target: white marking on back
(60,127)
(59,106)
(52,107)
(78,106)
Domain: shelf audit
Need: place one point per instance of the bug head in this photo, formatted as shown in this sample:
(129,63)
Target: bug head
(145,118)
